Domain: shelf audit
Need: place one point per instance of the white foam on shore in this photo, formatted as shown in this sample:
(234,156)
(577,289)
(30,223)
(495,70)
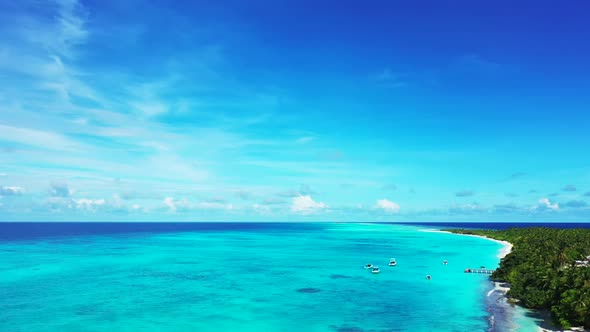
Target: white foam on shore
(498,287)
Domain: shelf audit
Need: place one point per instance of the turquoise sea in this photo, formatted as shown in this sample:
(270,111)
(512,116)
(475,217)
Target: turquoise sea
(252,277)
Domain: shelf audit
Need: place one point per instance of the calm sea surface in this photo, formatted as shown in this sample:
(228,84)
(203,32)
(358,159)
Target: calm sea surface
(241,277)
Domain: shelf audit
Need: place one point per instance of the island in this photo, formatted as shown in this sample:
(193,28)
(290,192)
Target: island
(547,269)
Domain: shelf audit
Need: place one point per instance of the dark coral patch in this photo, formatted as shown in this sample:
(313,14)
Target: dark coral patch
(309,290)
(346,328)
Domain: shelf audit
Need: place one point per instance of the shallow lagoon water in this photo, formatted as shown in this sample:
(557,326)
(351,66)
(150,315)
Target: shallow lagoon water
(277,277)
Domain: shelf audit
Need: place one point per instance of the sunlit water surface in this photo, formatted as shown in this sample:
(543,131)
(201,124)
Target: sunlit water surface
(262,277)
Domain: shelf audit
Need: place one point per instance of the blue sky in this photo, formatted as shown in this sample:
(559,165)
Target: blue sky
(294,110)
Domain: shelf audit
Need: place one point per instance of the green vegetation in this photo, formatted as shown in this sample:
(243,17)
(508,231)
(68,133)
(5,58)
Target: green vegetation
(543,273)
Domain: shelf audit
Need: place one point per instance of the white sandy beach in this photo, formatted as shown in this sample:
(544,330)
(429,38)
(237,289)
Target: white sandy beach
(506,249)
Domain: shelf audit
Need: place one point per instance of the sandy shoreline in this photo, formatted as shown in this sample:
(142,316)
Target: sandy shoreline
(506,249)
(544,321)
(501,254)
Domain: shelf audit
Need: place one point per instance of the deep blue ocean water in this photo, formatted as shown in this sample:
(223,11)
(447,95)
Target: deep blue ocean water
(244,277)
(31,230)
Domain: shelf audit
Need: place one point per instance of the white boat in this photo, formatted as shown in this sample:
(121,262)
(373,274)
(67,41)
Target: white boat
(368,266)
(445,262)
(375,270)
(392,262)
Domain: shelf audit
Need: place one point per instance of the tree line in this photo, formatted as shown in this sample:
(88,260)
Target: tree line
(546,270)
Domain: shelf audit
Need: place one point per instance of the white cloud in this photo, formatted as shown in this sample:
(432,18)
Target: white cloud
(70,28)
(60,189)
(214,206)
(183,204)
(305,204)
(11,190)
(48,43)
(169,202)
(545,204)
(388,205)
(175,205)
(466,208)
(58,204)
(89,204)
(37,138)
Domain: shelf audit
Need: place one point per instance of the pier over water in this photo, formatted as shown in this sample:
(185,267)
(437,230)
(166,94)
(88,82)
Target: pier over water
(481,271)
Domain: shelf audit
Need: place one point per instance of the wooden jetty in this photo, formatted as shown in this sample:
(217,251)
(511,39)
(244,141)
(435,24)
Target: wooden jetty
(481,271)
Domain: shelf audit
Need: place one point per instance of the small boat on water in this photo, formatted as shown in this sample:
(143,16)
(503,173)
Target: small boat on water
(428,277)
(375,270)
(445,262)
(368,266)
(392,262)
